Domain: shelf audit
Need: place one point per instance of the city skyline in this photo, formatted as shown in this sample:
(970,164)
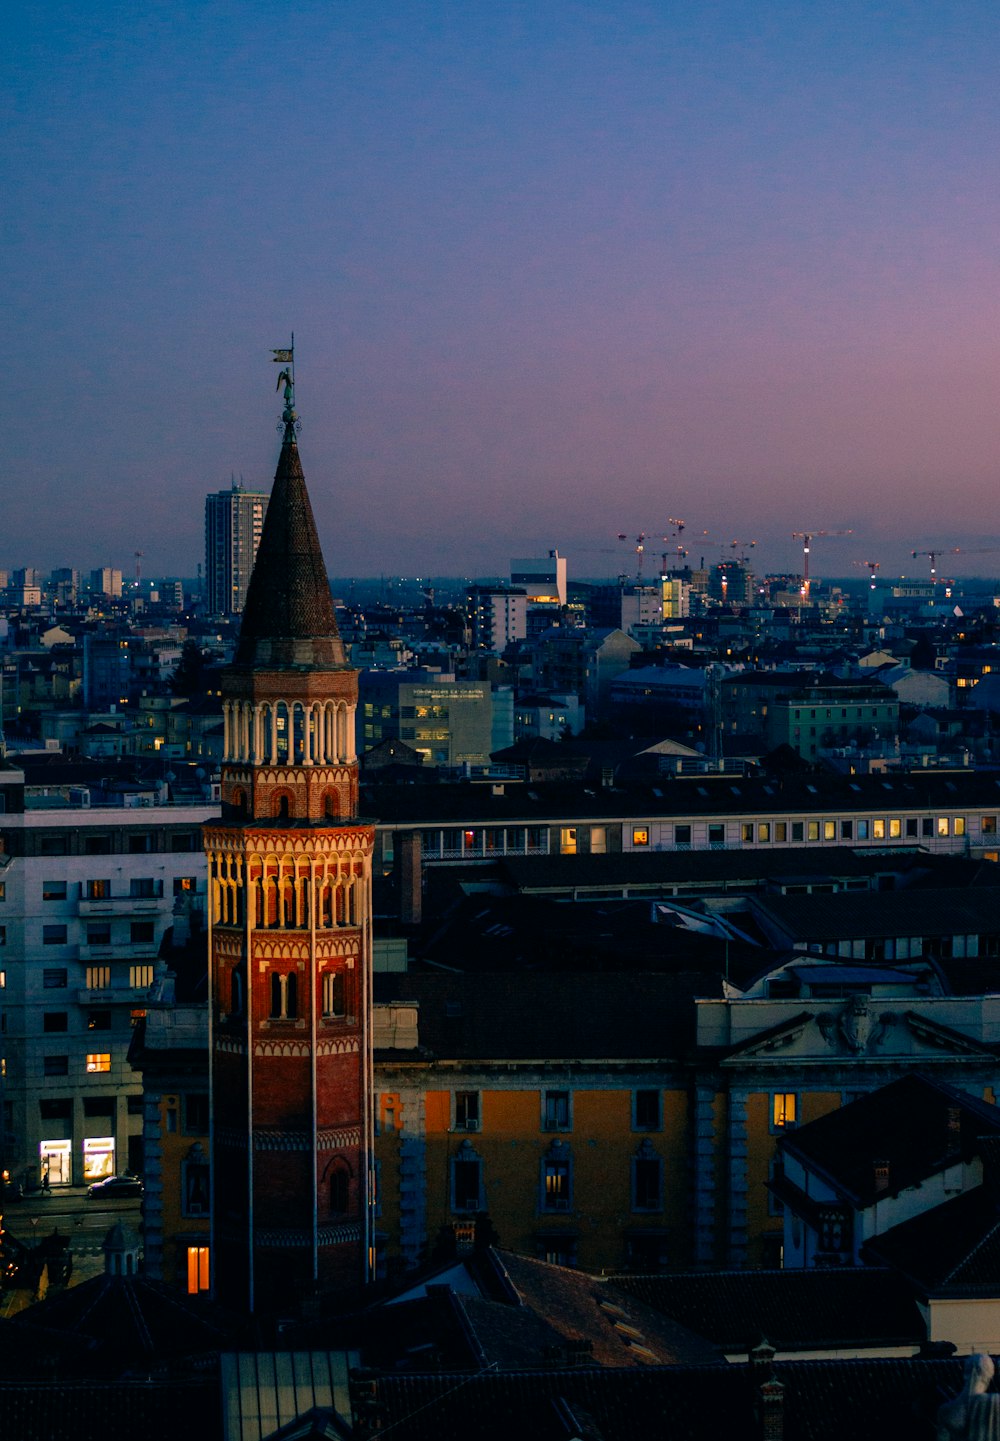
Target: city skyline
(553,276)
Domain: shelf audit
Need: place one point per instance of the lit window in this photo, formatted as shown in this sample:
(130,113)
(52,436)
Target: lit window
(960,825)
(140,977)
(98,978)
(783,1110)
(557,1179)
(197,1269)
(943,827)
(781,830)
(895,829)
(99,1061)
(567,841)
(812,830)
(829,830)
(878,830)
(764,831)
(640,835)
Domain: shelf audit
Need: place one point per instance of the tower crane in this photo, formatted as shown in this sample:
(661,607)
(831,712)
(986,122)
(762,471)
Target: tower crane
(640,546)
(873,567)
(679,553)
(138,564)
(932,556)
(807,537)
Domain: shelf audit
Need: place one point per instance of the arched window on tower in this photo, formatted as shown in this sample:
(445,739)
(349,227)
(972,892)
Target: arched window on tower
(236,994)
(284,996)
(281,808)
(340,1188)
(333,994)
(330,805)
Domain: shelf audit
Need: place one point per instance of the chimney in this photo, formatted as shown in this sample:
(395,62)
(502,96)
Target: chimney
(772,1411)
(407,846)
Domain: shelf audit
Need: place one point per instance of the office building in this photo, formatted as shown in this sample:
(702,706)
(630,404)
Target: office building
(234,520)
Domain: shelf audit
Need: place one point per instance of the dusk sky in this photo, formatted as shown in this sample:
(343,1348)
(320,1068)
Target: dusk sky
(555,271)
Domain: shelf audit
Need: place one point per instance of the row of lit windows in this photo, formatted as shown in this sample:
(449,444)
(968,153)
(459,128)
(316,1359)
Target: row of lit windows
(877,828)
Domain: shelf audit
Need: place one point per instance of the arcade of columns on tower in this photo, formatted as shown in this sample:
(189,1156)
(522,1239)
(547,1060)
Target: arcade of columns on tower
(307,733)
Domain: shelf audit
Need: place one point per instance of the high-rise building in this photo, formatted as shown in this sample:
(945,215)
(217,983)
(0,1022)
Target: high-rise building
(542,578)
(290,937)
(106,580)
(234,521)
(497,616)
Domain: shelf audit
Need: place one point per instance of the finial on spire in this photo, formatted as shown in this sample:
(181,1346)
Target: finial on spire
(289,419)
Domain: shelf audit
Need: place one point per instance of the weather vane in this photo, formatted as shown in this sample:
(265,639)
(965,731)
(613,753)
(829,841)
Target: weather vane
(287,376)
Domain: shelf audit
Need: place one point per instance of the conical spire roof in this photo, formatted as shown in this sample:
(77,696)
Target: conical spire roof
(288,619)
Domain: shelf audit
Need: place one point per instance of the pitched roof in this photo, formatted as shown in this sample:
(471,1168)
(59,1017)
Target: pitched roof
(916,1125)
(870,914)
(823,1401)
(794,1309)
(483,1017)
(953,1247)
(137,1324)
(288,618)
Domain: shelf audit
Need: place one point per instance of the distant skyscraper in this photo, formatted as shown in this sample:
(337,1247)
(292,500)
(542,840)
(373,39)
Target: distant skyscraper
(234,520)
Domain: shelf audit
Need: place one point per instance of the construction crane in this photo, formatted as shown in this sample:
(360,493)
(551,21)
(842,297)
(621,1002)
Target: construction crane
(807,537)
(678,526)
(932,556)
(678,553)
(952,550)
(640,547)
(873,566)
(138,565)
(744,546)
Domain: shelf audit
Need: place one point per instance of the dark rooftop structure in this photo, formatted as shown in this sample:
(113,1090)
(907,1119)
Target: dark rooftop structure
(797,1310)
(916,1126)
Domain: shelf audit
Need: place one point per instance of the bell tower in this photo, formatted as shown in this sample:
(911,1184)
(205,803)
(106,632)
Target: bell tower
(289,868)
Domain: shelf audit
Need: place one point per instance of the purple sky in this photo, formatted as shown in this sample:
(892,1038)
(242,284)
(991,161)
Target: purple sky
(555,270)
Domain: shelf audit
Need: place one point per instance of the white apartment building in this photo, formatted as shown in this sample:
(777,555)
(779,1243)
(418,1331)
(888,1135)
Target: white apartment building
(86,894)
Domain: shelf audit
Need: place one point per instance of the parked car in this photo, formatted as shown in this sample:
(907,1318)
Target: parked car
(115,1187)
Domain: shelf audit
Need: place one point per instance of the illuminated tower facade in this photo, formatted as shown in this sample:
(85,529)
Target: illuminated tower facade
(290,935)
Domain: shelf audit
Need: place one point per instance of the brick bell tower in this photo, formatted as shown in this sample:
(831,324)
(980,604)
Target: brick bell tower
(289,867)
